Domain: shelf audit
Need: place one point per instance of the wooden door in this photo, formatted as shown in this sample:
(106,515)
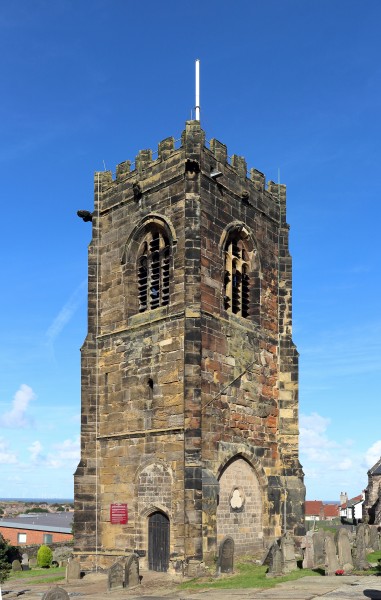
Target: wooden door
(158,542)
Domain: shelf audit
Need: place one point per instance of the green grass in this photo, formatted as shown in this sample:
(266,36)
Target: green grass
(53,579)
(247,576)
(374,556)
(38,572)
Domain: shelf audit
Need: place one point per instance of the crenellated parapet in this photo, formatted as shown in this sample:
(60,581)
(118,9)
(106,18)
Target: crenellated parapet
(148,164)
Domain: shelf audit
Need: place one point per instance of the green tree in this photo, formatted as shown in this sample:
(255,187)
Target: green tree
(37,509)
(5,566)
(44,556)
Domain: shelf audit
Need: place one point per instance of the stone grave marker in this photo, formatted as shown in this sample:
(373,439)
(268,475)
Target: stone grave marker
(360,548)
(56,593)
(374,538)
(308,546)
(16,565)
(226,556)
(73,570)
(287,547)
(115,579)
(131,571)
(25,562)
(318,542)
(331,564)
(344,551)
(273,560)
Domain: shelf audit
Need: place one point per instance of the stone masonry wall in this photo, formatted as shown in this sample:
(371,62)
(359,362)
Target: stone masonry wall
(188,392)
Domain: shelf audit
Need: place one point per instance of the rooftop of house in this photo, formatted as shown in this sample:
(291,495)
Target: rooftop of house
(59,521)
(331,510)
(313,507)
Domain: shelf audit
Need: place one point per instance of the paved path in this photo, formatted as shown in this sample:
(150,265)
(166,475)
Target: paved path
(157,588)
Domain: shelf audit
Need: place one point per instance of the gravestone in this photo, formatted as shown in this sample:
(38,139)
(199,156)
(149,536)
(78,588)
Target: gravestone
(308,546)
(287,547)
(273,560)
(344,552)
(116,576)
(360,548)
(226,556)
(131,571)
(318,542)
(25,562)
(33,562)
(16,565)
(73,570)
(56,593)
(374,538)
(331,564)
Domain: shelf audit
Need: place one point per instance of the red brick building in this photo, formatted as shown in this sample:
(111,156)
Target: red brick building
(38,528)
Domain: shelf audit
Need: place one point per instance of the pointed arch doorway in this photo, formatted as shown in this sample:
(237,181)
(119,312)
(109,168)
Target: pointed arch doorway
(158,542)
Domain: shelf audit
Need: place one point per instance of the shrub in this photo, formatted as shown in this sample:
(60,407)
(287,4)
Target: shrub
(44,556)
(5,566)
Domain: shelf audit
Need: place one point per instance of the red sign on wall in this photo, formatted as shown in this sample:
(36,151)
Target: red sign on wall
(118,514)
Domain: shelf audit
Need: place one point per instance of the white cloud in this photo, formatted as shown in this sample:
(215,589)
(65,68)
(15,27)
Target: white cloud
(35,450)
(373,454)
(66,313)
(17,417)
(64,453)
(7,457)
(314,442)
(345,464)
(330,466)
(69,450)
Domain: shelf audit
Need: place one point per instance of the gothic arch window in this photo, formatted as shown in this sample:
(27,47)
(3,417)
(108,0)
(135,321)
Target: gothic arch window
(241,293)
(153,267)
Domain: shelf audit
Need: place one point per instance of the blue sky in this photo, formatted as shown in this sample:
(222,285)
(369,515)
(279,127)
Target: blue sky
(292,85)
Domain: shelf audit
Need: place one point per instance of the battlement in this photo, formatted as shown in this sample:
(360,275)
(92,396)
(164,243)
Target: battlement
(192,141)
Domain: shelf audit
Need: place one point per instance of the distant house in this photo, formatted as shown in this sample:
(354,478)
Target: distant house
(351,509)
(372,502)
(38,528)
(316,510)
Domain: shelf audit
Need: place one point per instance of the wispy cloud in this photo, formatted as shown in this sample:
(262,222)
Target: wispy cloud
(17,417)
(7,457)
(373,454)
(62,454)
(66,313)
(340,465)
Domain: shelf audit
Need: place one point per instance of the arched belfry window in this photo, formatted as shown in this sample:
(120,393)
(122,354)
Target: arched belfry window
(153,270)
(241,276)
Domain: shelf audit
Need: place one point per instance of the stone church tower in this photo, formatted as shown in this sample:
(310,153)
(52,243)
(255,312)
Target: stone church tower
(189,371)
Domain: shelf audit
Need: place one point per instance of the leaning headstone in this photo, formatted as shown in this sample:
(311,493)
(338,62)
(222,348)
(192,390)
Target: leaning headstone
(374,538)
(16,565)
(308,546)
(131,571)
(226,556)
(318,542)
(56,593)
(287,547)
(273,560)
(344,551)
(73,570)
(115,576)
(360,548)
(331,564)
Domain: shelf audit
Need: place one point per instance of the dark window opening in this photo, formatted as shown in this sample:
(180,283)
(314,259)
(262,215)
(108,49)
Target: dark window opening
(153,272)
(236,278)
